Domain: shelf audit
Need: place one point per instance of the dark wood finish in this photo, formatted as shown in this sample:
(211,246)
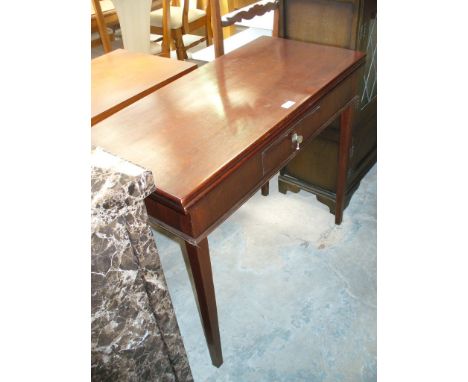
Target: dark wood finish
(349,24)
(120,78)
(212,149)
(248,12)
(202,124)
(200,265)
(343,157)
(330,22)
(256,9)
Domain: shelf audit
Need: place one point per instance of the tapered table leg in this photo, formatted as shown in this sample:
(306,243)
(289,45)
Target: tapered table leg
(199,258)
(343,159)
(266,189)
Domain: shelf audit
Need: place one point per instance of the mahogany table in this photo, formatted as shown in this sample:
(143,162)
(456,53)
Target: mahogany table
(120,78)
(215,136)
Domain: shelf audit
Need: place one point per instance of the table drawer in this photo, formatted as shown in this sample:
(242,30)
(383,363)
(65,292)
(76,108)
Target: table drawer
(320,113)
(218,203)
(278,152)
(325,109)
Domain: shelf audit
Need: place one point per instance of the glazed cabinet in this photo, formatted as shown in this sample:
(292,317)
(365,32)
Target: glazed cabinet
(348,24)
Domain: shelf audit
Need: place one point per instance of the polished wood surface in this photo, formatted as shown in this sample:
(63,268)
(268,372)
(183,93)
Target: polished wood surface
(236,107)
(120,78)
(200,266)
(217,135)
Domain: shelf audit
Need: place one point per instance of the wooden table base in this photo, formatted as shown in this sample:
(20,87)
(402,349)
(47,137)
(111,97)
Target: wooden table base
(199,258)
(343,159)
(199,255)
(210,157)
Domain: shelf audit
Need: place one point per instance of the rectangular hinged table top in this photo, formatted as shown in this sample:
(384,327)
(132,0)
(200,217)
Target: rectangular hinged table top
(120,78)
(192,131)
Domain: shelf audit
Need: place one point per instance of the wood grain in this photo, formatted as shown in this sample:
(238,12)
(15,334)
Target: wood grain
(348,24)
(120,78)
(217,135)
(236,108)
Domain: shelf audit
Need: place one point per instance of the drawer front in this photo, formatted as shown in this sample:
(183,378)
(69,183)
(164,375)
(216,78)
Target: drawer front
(278,152)
(322,112)
(325,109)
(225,198)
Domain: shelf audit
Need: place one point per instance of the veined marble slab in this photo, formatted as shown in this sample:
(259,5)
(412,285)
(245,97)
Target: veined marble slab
(134,331)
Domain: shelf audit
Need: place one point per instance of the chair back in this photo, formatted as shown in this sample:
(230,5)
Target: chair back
(134,24)
(255,9)
(205,5)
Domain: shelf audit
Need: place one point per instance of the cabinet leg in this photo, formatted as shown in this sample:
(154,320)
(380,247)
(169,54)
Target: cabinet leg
(343,160)
(284,187)
(266,189)
(199,258)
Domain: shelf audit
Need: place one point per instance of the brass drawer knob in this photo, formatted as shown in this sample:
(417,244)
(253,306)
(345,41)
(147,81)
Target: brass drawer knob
(297,140)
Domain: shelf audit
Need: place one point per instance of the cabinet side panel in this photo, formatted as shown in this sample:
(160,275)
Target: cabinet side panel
(321,21)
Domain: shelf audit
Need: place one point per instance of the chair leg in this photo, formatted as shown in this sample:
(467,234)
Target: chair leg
(208,34)
(166,46)
(179,42)
(102,29)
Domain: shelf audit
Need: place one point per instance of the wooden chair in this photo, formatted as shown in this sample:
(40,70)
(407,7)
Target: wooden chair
(256,9)
(104,12)
(108,12)
(101,23)
(182,21)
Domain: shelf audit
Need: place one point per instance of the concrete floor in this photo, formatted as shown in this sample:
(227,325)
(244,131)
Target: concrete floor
(296,294)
